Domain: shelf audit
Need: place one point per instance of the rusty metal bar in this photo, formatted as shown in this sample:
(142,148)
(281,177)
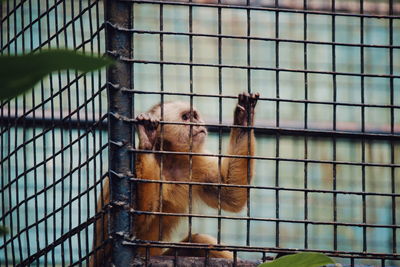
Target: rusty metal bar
(121,190)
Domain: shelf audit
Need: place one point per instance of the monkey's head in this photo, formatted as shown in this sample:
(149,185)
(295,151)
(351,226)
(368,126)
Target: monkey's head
(176,137)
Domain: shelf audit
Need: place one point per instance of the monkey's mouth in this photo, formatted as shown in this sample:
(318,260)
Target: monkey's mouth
(202,131)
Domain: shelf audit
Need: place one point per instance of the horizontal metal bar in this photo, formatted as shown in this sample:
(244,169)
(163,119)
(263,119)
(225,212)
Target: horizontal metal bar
(333,253)
(337,73)
(247,218)
(70,123)
(304,190)
(225,36)
(261,8)
(45,122)
(283,131)
(133,150)
(20,115)
(272,99)
(85,134)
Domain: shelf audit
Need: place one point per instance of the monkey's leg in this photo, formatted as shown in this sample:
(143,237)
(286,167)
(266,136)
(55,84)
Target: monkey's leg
(196,252)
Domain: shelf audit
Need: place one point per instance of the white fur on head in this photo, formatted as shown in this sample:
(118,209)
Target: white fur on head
(176,137)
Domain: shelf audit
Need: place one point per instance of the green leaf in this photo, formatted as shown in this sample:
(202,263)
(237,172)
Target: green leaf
(3,230)
(304,259)
(20,73)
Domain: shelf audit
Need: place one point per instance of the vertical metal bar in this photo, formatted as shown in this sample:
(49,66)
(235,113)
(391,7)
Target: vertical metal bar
(100,84)
(392,145)
(160,196)
(219,120)
(63,155)
(277,124)
(22,26)
(8,29)
(85,118)
(15,30)
(71,154)
(16,165)
(70,247)
(3,181)
(78,118)
(1,34)
(24,133)
(305,127)
(16,192)
(35,154)
(120,160)
(2,145)
(248,130)
(46,202)
(55,222)
(334,125)
(10,193)
(191,119)
(89,202)
(363,186)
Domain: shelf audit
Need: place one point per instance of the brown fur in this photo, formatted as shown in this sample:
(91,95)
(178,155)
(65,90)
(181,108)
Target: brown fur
(175,198)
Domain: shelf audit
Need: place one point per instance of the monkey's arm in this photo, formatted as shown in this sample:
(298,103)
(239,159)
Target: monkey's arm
(235,170)
(147,168)
(148,193)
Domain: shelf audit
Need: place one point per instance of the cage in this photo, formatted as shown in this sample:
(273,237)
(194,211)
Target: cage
(327,129)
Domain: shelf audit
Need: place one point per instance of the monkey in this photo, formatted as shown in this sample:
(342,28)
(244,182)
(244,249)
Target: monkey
(181,136)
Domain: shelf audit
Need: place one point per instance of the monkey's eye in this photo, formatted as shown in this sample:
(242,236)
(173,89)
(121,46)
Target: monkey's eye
(185,116)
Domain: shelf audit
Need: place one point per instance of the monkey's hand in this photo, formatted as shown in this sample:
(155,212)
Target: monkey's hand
(147,126)
(244,112)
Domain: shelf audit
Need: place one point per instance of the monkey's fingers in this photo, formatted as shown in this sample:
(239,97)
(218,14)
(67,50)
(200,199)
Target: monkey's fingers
(148,120)
(244,99)
(240,115)
(254,98)
(153,121)
(142,118)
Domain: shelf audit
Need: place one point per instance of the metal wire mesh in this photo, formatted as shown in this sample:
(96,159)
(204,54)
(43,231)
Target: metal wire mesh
(53,138)
(327,126)
(323,137)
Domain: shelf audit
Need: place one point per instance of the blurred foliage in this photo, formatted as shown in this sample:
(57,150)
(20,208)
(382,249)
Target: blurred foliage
(3,230)
(20,73)
(304,259)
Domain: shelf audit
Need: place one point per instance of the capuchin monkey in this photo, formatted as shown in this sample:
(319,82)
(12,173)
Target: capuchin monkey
(205,169)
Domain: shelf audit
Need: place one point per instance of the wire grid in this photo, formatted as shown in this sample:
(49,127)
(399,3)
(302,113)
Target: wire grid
(53,139)
(327,122)
(316,185)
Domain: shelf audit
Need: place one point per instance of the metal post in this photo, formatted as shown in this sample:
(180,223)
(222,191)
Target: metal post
(121,133)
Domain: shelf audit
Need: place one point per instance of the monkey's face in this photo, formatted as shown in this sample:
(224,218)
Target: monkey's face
(178,137)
